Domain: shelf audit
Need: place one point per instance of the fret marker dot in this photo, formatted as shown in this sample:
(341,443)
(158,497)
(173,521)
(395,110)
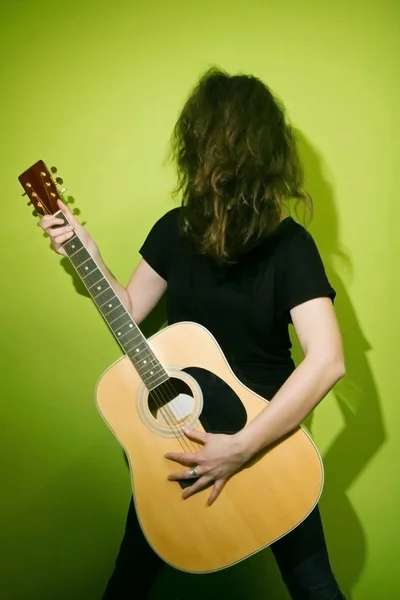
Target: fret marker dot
(144,362)
(73,246)
(110,305)
(130,325)
(151,372)
(86,268)
(119,333)
(137,349)
(99,287)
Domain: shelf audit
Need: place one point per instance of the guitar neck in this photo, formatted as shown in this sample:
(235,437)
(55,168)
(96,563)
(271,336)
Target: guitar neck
(119,320)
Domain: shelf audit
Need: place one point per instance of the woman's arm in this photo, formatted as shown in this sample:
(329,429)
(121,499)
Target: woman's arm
(323,365)
(144,290)
(145,287)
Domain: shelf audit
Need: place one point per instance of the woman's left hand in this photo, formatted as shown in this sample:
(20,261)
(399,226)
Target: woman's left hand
(220,457)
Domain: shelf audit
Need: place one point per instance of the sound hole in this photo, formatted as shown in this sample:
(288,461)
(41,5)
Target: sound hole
(172,402)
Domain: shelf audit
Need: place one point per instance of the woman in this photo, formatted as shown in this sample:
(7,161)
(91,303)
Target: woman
(232,259)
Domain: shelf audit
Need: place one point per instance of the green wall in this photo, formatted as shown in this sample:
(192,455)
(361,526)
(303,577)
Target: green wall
(95,88)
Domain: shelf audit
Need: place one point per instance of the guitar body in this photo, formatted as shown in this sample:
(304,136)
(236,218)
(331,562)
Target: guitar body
(258,505)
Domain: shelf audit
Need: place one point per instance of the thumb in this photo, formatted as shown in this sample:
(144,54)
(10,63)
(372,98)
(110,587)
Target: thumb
(195,435)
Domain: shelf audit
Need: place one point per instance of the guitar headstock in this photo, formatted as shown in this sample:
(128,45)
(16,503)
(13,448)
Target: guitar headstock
(41,188)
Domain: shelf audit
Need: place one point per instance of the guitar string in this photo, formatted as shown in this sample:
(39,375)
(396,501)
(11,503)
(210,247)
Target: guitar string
(173,414)
(163,408)
(178,416)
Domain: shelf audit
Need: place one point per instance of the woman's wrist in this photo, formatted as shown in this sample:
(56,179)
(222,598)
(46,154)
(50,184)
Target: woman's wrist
(244,445)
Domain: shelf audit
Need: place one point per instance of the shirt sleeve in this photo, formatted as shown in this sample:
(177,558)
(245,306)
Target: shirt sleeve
(155,247)
(303,275)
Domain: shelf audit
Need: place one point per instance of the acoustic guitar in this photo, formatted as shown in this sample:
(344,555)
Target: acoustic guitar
(180,377)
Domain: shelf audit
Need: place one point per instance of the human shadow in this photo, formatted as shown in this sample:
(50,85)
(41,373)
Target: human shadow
(363,432)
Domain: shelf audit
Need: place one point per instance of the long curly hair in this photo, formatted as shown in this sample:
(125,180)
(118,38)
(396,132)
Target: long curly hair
(237,164)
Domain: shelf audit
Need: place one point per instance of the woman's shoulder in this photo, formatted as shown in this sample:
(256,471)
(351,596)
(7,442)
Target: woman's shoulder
(290,229)
(292,241)
(288,233)
(167,224)
(170,219)
(293,236)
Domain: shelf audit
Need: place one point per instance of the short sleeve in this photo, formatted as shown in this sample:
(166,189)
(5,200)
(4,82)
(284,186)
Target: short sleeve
(155,247)
(303,275)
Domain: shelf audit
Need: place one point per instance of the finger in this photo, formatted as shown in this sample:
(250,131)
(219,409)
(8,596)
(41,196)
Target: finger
(196,487)
(195,434)
(67,213)
(49,221)
(183,459)
(59,231)
(217,489)
(59,240)
(186,474)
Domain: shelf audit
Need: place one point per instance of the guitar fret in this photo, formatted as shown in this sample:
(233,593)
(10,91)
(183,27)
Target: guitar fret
(147,363)
(152,385)
(106,296)
(151,374)
(73,245)
(144,354)
(133,339)
(149,367)
(79,257)
(103,289)
(109,305)
(119,322)
(73,253)
(125,329)
(87,268)
(160,376)
(135,351)
(99,287)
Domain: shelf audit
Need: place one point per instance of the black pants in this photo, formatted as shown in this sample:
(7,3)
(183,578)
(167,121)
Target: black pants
(301,555)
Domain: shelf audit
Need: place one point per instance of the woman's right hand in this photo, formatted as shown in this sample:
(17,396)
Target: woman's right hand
(60,235)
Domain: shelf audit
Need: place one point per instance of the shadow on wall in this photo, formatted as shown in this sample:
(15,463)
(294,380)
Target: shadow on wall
(353,448)
(349,454)
(363,431)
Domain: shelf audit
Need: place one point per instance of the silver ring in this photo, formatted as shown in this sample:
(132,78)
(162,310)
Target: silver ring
(193,472)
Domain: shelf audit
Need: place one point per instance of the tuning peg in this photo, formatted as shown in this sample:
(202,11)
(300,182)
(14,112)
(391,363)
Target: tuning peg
(53,169)
(29,203)
(59,180)
(35,213)
(69,200)
(24,194)
(76,212)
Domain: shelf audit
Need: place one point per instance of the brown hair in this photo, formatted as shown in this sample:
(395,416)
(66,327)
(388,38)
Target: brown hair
(237,163)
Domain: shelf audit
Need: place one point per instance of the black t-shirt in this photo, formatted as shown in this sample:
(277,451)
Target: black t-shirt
(245,306)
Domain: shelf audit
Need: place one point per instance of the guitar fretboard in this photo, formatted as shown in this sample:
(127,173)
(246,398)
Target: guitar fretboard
(117,317)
